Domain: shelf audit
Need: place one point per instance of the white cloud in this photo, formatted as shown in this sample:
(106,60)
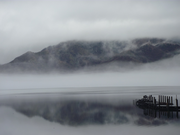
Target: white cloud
(33,25)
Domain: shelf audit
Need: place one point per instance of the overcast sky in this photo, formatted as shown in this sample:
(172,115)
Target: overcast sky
(31,25)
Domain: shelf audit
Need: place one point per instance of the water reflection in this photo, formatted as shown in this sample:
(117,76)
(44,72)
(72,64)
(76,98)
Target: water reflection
(78,109)
(160,114)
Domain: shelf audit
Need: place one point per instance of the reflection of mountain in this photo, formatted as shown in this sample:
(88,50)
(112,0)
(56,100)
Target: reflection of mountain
(84,112)
(77,112)
(73,55)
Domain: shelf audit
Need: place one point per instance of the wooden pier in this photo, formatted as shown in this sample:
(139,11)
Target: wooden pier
(164,105)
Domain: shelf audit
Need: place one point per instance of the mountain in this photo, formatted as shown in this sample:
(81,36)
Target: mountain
(73,55)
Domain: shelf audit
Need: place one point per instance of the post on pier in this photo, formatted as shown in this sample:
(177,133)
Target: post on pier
(177,107)
(168,100)
(155,107)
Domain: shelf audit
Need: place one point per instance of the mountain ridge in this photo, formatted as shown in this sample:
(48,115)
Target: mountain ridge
(74,55)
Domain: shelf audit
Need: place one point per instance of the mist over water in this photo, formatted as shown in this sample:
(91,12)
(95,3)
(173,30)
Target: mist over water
(136,78)
(162,73)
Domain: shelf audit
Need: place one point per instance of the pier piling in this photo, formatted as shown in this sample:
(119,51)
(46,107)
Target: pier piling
(164,105)
(177,108)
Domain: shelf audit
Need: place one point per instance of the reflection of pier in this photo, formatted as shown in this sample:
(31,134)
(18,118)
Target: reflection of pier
(163,107)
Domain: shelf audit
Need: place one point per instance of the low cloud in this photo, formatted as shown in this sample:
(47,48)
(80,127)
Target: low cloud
(33,25)
(147,75)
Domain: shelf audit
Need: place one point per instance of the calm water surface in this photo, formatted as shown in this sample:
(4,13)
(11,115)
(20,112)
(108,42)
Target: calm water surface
(97,110)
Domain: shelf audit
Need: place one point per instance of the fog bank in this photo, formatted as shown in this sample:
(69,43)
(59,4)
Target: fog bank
(136,78)
(161,73)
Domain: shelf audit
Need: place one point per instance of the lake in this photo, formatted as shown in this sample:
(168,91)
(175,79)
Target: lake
(85,111)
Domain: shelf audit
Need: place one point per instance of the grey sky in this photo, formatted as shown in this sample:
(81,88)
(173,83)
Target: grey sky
(32,25)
